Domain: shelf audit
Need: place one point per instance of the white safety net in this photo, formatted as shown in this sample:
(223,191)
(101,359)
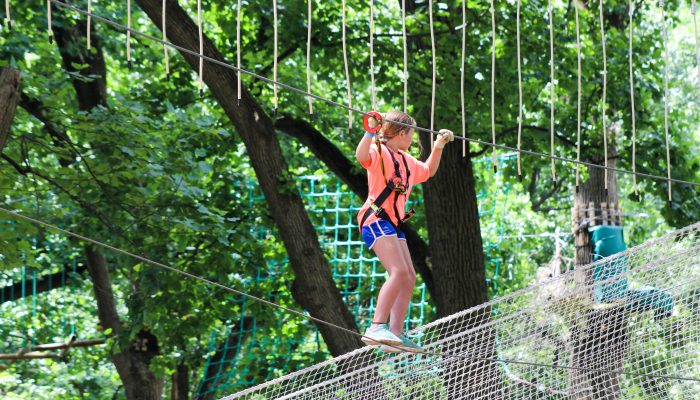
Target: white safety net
(625,327)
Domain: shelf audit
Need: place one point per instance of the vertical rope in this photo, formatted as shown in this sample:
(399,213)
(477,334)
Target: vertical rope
(89,25)
(371,53)
(461,81)
(634,123)
(347,66)
(8,19)
(668,146)
(48,16)
(275,100)
(201,47)
(493,85)
(551,88)
(605,90)
(128,34)
(520,90)
(308,60)
(405,56)
(165,39)
(694,11)
(432,96)
(238,51)
(578,101)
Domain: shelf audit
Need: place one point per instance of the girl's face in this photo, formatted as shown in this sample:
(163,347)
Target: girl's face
(405,139)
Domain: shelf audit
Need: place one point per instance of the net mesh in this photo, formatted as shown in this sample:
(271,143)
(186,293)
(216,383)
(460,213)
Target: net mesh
(252,349)
(625,327)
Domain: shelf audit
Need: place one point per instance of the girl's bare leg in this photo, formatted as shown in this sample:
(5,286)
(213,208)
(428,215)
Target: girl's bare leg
(401,276)
(400,308)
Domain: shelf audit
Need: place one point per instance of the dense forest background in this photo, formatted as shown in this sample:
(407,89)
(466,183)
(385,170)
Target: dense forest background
(223,189)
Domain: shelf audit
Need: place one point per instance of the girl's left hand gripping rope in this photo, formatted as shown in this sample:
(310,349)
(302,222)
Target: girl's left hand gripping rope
(373,122)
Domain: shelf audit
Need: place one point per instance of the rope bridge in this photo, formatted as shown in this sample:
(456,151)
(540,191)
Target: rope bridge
(626,326)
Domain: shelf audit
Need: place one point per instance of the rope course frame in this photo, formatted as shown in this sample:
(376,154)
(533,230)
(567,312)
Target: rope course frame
(317,320)
(358,111)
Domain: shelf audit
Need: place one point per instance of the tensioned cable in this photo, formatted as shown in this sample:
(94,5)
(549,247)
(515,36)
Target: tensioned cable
(238,50)
(317,320)
(201,47)
(371,54)
(165,39)
(308,59)
(128,34)
(405,57)
(578,100)
(551,88)
(461,78)
(634,125)
(432,96)
(343,106)
(347,66)
(605,92)
(668,146)
(275,100)
(493,86)
(520,89)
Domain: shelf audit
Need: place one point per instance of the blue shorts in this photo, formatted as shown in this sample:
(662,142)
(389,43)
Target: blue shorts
(379,228)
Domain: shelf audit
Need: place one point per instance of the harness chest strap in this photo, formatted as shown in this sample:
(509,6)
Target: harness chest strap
(376,206)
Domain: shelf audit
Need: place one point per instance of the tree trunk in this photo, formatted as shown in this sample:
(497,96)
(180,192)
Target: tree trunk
(133,359)
(181,383)
(313,286)
(9,98)
(599,340)
(224,356)
(455,246)
(72,44)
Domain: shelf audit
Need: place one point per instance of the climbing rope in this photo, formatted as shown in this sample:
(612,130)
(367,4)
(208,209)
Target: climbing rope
(634,125)
(8,20)
(520,89)
(318,320)
(432,96)
(405,57)
(668,145)
(275,100)
(578,100)
(461,76)
(89,25)
(371,53)
(347,66)
(694,12)
(48,19)
(343,106)
(238,49)
(605,90)
(201,49)
(128,34)
(551,88)
(308,60)
(165,39)
(493,86)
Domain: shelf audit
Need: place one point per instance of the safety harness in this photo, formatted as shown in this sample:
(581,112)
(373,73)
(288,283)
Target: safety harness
(394,185)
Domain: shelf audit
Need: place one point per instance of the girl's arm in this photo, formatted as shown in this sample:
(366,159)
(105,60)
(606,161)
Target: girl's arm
(433,160)
(362,151)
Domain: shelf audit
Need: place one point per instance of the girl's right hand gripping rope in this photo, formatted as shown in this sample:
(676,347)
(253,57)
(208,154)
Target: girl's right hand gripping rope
(373,122)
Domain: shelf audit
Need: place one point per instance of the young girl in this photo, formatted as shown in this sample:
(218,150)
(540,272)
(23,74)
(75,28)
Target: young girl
(392,173)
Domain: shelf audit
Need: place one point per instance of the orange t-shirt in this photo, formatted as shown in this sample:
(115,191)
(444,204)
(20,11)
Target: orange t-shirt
(419,174)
